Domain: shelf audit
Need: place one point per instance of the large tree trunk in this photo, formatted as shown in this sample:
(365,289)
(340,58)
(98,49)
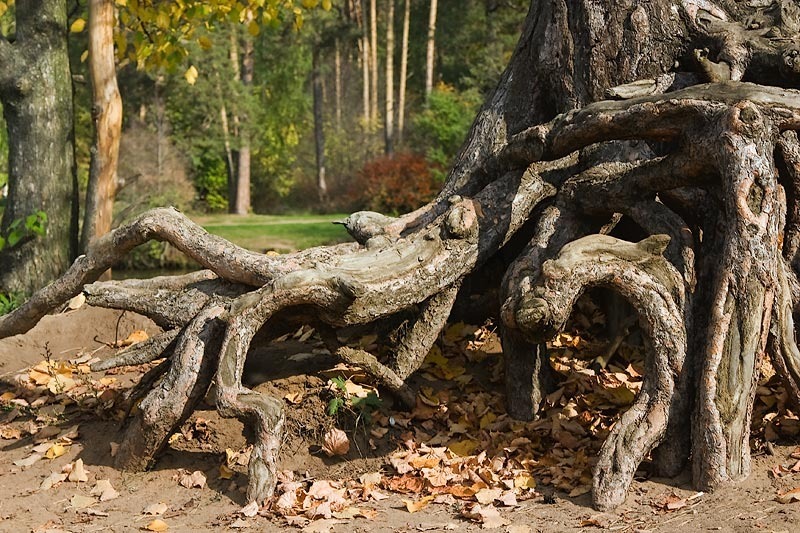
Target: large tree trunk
(709,171)
(107,119)
(36,91)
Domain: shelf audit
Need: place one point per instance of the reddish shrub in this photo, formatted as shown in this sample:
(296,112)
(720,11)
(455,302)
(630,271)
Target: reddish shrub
(394,184)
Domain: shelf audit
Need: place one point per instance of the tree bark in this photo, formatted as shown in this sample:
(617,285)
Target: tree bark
(430,50)
(401,99)
(36,91)
(319,131)
(388,126)
(107,119)
(243,160)
(373,62)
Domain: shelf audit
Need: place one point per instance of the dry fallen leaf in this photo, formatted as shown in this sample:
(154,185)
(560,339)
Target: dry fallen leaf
(77,473)
(249,510)
(79,501)
(54,451)
(195,479)
(487,515)
(487,496)
(321,526)
(53,479)
(414,506)
(157,525)
(28,461)
(790,496)
(76,302)
(104,489)
(155,509)
(135,337)
(335,442)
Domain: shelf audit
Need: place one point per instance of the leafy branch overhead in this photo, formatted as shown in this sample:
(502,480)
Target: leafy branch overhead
(157,35)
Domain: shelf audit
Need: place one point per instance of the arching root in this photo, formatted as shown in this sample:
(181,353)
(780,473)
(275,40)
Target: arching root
(655,289)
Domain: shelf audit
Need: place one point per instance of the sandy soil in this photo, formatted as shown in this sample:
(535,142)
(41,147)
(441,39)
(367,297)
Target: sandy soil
(24,506)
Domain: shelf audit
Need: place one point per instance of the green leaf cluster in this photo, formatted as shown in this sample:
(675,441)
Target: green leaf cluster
(34,225)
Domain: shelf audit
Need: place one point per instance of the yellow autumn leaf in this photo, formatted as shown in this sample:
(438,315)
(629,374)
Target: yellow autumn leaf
(414,506)
(77,26)
(157,525)
(56,450)
(326,5)
(310,4)
(524,481)
(191,75)
(204,42)
(139,335)
(3,8)
(463,447)
(225,472)
(487,420)
(253,28)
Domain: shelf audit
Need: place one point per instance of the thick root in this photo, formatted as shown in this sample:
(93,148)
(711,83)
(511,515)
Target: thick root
(655,289)
(177,394)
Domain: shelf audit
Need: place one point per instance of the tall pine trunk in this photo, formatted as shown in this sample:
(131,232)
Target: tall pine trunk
(36,91)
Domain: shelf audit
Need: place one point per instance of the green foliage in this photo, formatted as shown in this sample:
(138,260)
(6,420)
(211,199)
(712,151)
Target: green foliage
(360,406)
(211,182)
(444,124)
(9,302)
(34,225)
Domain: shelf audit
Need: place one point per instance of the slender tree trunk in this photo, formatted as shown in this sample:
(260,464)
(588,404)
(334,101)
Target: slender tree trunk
(107,118)
(388,128)
(226,137)
(337,83)
(401,103)
(243,173)
(236,71)
(373,65)
(430,50)
(364,46)
(319,132)
(36,91)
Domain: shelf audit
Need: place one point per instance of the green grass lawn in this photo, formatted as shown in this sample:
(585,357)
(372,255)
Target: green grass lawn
(285,233)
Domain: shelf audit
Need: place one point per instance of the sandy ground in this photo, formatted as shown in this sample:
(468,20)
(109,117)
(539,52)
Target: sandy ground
(25,506)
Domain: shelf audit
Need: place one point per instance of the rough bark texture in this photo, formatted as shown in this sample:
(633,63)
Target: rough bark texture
(709,171)
(36,91)
(107,119)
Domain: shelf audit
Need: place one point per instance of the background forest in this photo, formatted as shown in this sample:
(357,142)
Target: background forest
(251,89)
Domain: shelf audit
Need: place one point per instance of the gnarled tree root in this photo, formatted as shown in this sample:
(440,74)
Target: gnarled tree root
(655,289)
(715,194)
